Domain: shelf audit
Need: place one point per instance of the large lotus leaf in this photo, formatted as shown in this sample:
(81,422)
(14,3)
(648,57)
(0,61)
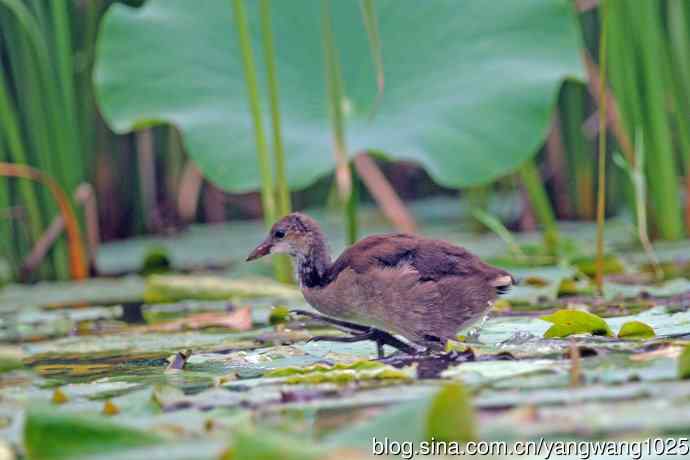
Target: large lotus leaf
(469,85)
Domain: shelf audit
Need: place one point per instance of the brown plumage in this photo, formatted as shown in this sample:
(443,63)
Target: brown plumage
(422,289)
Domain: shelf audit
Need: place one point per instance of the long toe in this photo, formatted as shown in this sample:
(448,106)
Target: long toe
(342,338)
(385,338)
(342,325)
(320,338)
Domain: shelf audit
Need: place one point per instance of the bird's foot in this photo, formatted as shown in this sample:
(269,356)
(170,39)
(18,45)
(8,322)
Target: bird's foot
(359,333)
(380,337)
(384,338)
(368,335)
(431,364)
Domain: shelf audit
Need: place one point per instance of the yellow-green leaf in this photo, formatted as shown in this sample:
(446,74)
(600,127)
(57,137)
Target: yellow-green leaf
(636,330)
(342,373)
(451,415)
(361,364)
(684,363)
(49,434)
(569,322)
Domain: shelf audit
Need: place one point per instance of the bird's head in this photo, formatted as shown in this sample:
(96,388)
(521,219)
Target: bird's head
(295,234)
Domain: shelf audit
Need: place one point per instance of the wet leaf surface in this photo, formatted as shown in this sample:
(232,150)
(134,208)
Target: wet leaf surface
(171,288)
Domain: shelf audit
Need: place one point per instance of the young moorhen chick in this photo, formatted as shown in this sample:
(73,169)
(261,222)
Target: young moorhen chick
(422,289)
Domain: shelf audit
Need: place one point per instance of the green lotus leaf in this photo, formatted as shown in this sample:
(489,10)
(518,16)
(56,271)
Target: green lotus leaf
(469,85)
(636,330)
(52,435)
(569,322)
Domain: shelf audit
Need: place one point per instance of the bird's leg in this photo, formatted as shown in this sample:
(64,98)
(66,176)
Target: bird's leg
(352,327)
(379,350)
(384,338)
(377,335)
(359,333)
(380,337)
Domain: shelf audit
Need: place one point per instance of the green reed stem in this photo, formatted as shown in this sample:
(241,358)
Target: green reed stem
(662,172)
(580,161)
(242,26)
(679,40)
(541,205)
(30,114)
(601,186)
(88,120)
(343,173)
(8,249)
(57,158)
(267,191)
(478,198)
(351,208)
(283,205)
(371,24)
(9,127)
(282,191)
(65,85)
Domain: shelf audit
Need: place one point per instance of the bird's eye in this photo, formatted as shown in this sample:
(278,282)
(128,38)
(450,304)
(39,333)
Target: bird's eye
(279,234)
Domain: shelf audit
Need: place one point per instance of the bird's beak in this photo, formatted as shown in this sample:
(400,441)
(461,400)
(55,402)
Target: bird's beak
(260,251)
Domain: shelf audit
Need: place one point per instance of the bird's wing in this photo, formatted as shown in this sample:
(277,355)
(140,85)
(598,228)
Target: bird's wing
(378,251)
(433,260)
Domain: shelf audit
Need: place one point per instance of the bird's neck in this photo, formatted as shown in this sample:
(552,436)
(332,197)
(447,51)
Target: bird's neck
(312,267)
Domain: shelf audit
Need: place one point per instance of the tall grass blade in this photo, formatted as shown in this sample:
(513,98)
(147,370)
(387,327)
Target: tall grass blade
(662,172)
(601,183)
(268,201)
(8,249)
(9,127)
(679,35)
(478,197)
(62,150)
(88,118)
(579,150)
(65,82)
(492,223)
(343,175)
(351,207)
(679,38)
(32,119)
(282,191)
(77,254)
(371,24)
(540,204)
(636,175)
(267,196)
(283,205)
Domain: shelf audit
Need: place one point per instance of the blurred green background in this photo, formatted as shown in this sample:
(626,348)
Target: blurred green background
(154,115)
